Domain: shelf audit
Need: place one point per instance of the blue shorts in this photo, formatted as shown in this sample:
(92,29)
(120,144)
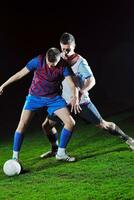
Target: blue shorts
(89,113)
(34,103)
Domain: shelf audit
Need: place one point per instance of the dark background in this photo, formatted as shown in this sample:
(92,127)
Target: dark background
(104,32)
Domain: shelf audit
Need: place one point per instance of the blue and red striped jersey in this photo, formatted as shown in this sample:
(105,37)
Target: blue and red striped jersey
(47,81)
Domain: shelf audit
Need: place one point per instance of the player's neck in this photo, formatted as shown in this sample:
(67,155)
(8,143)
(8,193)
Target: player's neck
(72,55)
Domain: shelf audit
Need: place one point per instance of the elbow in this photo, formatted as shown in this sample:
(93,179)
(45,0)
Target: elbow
(94,82)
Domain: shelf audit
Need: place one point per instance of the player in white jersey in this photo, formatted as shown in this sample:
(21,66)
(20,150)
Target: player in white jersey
(84,80)
(82,71)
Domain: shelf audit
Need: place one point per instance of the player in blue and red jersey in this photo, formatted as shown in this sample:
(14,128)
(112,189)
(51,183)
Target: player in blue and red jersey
(45,91)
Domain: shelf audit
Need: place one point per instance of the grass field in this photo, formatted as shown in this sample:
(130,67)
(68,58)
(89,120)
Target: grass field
(104,169)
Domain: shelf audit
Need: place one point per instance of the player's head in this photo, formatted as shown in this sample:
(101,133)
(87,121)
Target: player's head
(67,43)
(53,56)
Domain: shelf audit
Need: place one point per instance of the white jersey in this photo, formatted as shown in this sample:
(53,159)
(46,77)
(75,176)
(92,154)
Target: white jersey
(82,71)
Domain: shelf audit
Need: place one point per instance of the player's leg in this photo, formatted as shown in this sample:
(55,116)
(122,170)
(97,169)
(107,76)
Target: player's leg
(91,114)
(25,118)
(52,135)
(66,134)
(113,129)
(31,104)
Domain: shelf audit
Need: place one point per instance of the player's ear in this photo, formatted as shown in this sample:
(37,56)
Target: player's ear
(74,45)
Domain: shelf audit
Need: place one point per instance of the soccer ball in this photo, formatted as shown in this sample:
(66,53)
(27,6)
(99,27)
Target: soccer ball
(12,167)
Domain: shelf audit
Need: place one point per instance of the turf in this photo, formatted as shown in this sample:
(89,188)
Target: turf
(104,169)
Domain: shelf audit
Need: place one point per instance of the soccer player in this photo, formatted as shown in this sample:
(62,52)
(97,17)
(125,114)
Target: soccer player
(45,91)
(85,81)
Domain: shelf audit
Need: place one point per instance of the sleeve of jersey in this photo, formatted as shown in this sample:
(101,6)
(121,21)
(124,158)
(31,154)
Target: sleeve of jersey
(85,69)
(67,71)
(33,64)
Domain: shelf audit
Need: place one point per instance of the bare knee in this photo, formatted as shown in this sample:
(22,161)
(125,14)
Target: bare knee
(46,125)
(112,125)
(22,126)
(69,124)
(106,125)
(25,119)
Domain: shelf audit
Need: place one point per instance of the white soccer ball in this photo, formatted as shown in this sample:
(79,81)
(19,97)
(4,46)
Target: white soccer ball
(12,167)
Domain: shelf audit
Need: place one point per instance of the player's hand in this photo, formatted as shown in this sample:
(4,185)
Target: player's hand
(81,92)
(1,90)
(75,107)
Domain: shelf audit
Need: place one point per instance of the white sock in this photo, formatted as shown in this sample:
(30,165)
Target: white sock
(15,155)
(61,151)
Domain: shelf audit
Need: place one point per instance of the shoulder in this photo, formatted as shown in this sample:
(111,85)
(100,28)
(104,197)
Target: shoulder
(36,58)
(83,66)
(40,59)
(82,59)
(35,62)
(40,56)
(73,59)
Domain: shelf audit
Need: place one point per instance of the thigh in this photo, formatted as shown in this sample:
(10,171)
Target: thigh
(25,119)
(26,115)
(64,115)
(90,113)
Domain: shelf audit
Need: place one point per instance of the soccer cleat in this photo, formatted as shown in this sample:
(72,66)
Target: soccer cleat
(65,157)
(48,154)
(130,142)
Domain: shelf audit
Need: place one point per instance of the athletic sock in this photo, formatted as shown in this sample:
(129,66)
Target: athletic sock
(117,131)
(18,139)
(61,151)
(65,137)
(15,155)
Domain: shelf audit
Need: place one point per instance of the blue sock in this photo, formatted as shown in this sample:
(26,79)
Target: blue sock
(65,137)
(18,139)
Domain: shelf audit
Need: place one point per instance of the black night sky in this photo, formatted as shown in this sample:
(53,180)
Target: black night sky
(104,32)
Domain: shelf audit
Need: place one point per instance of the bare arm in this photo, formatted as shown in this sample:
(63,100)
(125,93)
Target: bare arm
(75,98)
(23,72)
(88,85)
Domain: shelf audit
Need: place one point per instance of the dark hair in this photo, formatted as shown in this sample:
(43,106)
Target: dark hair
(67,38)
(53,54)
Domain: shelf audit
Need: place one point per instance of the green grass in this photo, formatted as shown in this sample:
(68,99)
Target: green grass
(104,169)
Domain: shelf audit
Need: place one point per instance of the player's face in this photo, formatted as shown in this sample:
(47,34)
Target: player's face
(67,49)
(52,64)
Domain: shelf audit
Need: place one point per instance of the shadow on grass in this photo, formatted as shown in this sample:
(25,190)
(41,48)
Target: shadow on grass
(38,164)
(101,153)
(25,171)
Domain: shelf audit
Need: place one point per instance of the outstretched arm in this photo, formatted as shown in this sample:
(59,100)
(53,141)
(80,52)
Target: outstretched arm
(75,98)
(23,72)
